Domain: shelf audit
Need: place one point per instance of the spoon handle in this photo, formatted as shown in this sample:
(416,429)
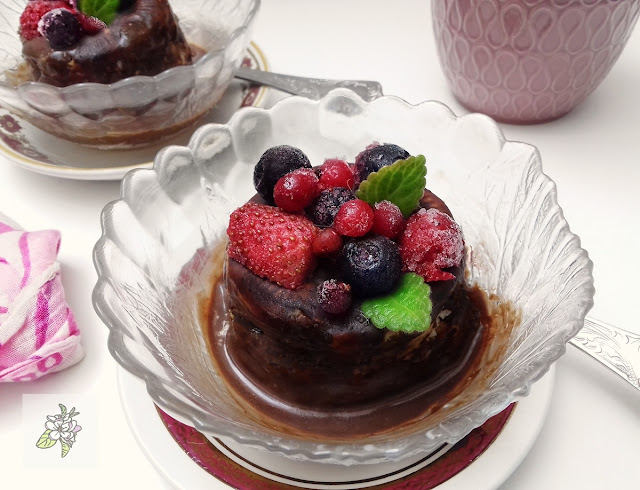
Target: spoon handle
(617,349)
(312,88)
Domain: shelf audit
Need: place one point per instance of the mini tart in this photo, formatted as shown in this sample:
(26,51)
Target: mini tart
(144,40)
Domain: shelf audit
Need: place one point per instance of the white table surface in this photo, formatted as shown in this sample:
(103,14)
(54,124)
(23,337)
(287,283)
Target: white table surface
(591,438)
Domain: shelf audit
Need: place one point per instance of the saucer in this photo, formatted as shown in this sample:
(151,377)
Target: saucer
(28,147)
(483,460)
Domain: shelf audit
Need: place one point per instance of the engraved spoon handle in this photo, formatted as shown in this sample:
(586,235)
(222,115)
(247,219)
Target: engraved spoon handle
(617,349)
(312,88)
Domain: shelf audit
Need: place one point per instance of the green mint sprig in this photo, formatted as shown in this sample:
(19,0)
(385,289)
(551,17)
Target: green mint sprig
(407,308)
(401,183)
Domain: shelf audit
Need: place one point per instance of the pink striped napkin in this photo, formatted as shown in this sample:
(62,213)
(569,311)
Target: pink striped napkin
(38,334)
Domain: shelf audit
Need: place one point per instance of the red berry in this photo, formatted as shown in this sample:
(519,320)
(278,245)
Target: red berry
(90,25)
(296,190)
(387,219)
(354,218)
(334,296)
(326,243)
(431,241)
(272,244)
(32,14)
(335,173)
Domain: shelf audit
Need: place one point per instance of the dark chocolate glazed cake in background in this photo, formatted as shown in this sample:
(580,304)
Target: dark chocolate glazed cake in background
(63,46)
(346,293)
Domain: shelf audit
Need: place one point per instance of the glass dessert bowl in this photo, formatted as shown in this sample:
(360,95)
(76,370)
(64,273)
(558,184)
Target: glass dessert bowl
(163,244)
(114,112)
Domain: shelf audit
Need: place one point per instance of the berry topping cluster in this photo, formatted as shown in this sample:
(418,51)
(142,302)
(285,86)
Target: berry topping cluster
(363,221)
(65,22)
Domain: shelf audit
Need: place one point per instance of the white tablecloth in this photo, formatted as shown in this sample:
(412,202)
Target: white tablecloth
(591,436)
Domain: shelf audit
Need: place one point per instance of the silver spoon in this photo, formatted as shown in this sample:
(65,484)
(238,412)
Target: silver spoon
(617,349)
(312,88)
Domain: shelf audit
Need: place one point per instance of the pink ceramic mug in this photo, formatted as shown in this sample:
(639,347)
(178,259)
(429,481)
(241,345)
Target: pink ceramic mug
(529,61)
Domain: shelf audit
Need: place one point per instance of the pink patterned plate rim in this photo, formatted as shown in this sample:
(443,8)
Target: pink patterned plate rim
(28,147)
(482,460)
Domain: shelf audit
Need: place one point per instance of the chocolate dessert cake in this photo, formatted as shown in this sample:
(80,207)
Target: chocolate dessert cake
(64,45)
(345,289)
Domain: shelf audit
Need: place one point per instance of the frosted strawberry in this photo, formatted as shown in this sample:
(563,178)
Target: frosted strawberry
(430,242)
(272,244)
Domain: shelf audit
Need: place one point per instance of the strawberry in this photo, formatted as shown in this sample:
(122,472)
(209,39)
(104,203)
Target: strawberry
(32,14)
(430,242)
(272,243)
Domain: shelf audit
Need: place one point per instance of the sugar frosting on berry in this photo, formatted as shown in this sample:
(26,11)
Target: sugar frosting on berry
(431,242)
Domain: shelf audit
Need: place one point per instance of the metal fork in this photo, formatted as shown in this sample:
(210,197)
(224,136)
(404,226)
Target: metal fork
(617,349)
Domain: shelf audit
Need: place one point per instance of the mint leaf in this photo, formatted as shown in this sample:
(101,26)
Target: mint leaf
(105,10)
(402,183)
(407,308)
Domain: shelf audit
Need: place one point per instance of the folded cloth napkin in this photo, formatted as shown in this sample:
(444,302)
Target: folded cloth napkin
(38,334)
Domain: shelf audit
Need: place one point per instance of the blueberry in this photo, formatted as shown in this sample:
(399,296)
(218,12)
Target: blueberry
(374,158)
(325,207)
(61,28)
(372,265)
(275,163)
(125,5)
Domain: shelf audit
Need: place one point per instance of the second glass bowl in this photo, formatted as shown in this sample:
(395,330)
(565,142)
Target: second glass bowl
(139,110)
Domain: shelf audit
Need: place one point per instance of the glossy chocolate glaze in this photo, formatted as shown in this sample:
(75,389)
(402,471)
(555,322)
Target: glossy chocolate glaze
(144,40)
(307,393)
(340,376)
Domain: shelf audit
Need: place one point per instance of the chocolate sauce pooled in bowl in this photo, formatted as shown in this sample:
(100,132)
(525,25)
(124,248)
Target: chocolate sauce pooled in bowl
(324,376)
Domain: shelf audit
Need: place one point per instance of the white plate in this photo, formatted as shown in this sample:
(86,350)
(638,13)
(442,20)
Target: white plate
(30,148)
(488,471)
